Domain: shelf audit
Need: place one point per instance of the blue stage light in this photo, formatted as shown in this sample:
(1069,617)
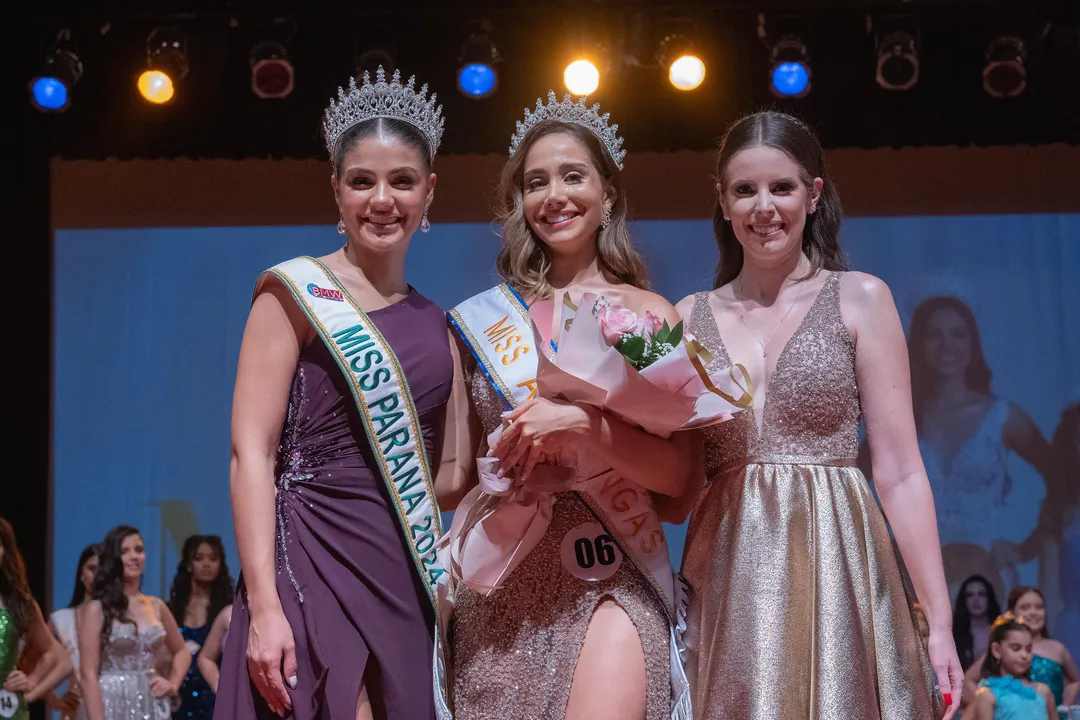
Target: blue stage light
(477,80)
(477,77)
(790,79)
(50,91)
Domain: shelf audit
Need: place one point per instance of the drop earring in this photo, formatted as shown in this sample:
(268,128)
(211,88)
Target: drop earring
(341,226)
(605,215)
(425,225)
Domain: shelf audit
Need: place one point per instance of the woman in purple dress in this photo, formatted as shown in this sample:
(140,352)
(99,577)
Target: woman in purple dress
(334,615)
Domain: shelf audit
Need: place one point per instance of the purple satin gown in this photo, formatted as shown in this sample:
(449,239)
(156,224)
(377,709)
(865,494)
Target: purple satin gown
(359,613)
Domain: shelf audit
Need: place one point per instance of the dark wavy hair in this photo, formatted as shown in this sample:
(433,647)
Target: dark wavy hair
(1002,626)
(794,138)
(965,642)
(1021,591)
(108,587)
(221,589)
(79,593)
(381,127)
(14,588)
(923,379)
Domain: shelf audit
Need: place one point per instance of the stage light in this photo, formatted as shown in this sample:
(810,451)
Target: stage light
(687,72)
(898,61)
(789,57)
(166,55)
(790,73)
(272,74)
(685,68)
(156,86)
(581,77)
(1005,72)
(50,91)
(477,77)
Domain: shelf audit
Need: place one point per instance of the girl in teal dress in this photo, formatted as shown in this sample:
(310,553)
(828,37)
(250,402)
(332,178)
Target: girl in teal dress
(1052,664)
(1007,691)
(21,619)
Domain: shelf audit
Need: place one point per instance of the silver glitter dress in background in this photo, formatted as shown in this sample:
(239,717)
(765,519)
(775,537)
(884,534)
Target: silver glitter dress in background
(127,664)
(797,606)
(515,652)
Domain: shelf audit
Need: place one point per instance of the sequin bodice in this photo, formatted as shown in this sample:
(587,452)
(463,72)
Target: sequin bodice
(1050,673)
(9,643)
(131,650)
(812,410)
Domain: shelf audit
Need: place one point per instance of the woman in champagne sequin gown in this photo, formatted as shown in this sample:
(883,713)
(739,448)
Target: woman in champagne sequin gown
(798,608)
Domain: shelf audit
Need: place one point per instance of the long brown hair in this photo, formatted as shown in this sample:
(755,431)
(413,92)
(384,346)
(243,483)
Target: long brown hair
(108,586)
(1021,591)
(523,260)
(221,589)
(977,376)
(794,138)
(14,589)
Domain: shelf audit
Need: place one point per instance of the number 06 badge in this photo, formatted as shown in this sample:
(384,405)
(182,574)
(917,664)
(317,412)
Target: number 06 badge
(590,553)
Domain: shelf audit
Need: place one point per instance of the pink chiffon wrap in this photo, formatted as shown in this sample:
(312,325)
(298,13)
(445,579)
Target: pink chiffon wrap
(501,520)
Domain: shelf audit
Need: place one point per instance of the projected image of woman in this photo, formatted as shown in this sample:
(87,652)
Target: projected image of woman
(1067,503)
(334,616)
(966,435)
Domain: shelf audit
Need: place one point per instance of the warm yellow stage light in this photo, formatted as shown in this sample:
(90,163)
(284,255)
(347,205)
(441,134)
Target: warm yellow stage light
(581,77)
(687,72)
(156,86)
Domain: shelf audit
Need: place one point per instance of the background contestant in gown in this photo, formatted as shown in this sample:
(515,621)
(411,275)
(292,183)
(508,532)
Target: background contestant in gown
(209,658)
(132,657)
(1051,661)
(65,625)
(32,662)
(331,619)
(200,590)
(795,589)
(548,643)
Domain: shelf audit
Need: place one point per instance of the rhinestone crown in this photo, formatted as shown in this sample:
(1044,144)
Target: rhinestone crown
(383,100)
(571,112)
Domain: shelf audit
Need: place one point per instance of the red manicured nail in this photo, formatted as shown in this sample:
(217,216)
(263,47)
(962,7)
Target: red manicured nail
(948,698)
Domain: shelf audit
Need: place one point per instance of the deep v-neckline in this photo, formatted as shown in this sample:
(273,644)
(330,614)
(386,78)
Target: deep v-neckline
(946,468)
(779,365)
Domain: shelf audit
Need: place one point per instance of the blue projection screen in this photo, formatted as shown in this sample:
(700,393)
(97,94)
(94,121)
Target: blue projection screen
(148,325)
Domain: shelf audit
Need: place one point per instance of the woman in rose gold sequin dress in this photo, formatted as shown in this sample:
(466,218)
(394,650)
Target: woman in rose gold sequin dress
(795,589)
(548,643)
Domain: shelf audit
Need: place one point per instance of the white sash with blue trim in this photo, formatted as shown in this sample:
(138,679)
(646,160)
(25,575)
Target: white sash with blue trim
(496,327)
(382,396)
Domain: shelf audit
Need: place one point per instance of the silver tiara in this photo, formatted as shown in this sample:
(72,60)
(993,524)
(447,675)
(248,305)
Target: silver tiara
(578,113)
(383,100)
